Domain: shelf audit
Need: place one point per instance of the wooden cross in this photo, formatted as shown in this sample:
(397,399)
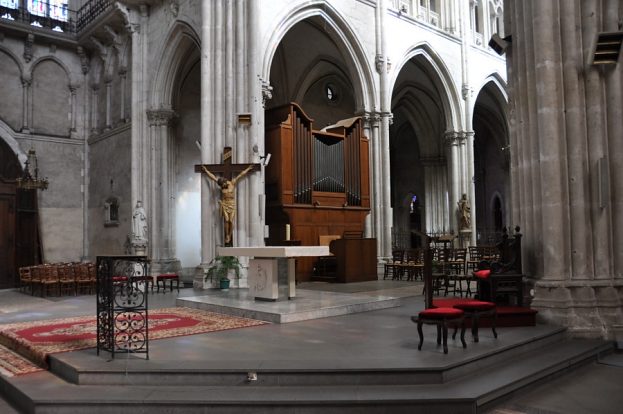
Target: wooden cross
(227,181)
(226,169)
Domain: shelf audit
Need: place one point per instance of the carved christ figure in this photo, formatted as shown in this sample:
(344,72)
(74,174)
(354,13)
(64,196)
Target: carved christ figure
(228,199)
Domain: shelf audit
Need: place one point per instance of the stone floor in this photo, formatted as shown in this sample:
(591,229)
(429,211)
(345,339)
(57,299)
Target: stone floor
(594,388)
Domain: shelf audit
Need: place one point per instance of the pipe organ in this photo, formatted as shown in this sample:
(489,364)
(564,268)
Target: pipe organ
(317,181)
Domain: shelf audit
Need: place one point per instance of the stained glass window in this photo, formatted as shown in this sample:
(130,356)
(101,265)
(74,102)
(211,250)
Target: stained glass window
(11,4)
(56,9)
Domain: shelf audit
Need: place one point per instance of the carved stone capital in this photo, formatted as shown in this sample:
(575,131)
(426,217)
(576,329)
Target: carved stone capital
(371,119)
(160,117)
(26,81)
(451,138)
(467,91)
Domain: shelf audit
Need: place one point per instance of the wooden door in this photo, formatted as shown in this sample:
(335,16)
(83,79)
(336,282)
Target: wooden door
(8,278)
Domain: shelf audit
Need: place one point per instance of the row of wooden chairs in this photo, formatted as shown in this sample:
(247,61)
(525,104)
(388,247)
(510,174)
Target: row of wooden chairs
(452,267)
(58,278)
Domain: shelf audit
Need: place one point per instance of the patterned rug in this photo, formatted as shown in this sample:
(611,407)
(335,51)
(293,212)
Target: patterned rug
(12,364)
(36,340)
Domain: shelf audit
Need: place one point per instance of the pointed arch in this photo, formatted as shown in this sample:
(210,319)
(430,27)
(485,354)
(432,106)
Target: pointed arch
(442,79)
(340,32)
(180,41)
(72,78)
(6,134)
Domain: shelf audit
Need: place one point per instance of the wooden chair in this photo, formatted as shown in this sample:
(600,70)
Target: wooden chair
(475,257)
(442,318)
(393,268)
(25,278)
(457,265)
(414,263)
(83,281)
(35,278)
(67,279)
(49,280)
(162,279)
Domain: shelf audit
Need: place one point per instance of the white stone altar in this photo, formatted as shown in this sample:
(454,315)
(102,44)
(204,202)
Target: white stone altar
(264,274)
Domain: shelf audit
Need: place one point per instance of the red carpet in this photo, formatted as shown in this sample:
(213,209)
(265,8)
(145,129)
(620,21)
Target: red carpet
(36,340)
(507,315)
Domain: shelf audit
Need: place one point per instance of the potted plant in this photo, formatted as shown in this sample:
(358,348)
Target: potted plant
(221,268)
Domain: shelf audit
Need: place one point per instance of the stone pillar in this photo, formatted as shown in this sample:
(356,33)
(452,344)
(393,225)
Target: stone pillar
(373,220)
(160,211)
(72,131)
(123,77)
(565,141)
(94,109)
(26,82)
(454,174)
(108,83)
(229,88)
(436,195)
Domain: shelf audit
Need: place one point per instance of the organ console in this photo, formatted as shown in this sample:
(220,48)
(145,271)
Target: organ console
(317,181)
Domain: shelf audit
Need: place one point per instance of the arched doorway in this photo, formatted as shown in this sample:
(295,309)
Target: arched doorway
(491,163)
(19,221)
(419,163)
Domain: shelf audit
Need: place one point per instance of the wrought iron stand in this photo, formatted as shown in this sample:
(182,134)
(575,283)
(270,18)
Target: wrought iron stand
(122,317)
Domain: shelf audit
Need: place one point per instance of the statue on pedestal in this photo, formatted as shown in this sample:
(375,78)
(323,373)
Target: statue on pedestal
(138,238)
(465,219)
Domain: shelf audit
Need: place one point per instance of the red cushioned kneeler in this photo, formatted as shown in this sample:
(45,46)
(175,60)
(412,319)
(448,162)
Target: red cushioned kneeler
(441,317)
(474,309)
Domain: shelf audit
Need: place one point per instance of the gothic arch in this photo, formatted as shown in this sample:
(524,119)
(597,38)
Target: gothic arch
(345,39)
(13,57)
(6,134)
(181,39)
(440,75)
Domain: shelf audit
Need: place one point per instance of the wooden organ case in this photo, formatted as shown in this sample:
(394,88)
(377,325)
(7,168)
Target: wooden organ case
(318,183)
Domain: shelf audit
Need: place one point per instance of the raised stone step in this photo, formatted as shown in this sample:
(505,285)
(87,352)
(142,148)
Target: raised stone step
(45,393)
(84,369)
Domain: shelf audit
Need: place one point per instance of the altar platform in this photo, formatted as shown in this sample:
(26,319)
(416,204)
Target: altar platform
(310,302)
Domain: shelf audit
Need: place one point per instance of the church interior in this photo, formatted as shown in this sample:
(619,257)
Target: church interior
(359,174)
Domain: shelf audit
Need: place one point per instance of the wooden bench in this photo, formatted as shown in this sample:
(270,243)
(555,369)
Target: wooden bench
(162,279)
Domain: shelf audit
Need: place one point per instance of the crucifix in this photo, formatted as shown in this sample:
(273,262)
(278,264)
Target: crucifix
(227,182)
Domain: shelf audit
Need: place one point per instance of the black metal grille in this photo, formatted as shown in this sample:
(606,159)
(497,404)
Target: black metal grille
(90,11)
(122,312)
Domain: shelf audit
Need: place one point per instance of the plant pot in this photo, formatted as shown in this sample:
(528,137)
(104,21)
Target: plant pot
(224,284)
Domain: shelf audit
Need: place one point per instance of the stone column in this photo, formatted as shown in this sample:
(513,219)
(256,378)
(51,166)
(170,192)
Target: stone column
(108,83)
(454,174)
(565,139)
(160,211)
(229,50)
(26,82)
(73,131)
(123,77)
(373,220)
(94,109)
(435,195)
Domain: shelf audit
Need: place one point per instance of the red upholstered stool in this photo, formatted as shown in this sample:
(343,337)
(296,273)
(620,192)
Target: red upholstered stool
(440,317)
(474,309)
(171,277)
